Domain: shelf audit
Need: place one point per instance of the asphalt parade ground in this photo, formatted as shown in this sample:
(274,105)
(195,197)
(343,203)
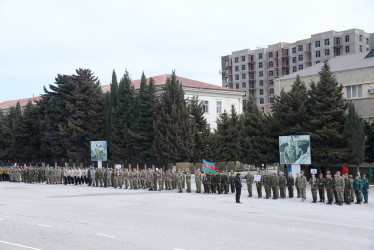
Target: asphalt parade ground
(41,216)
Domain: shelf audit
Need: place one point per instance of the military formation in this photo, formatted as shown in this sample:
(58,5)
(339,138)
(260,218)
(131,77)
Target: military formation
(341,189)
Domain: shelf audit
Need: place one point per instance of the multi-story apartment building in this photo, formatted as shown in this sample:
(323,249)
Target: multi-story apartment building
(254,71)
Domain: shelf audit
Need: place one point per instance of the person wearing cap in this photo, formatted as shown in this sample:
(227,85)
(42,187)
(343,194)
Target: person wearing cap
(365,188)
(297,181)
(302,186)
(357,186)
(259,185)
(314,187)
(347,190)
(339,188)
(282,185)
(249,181)
(321,187)
(329,185)
(290,184)
(238,187)
(275,185)
(231,182)
(267,184)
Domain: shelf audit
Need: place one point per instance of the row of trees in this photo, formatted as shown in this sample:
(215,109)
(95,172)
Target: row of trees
(145,126)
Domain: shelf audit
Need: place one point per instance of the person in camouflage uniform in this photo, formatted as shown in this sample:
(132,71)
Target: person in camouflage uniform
(249,180)
(282,185)
(115,179)
(357,186)
(198,178)
(297,185)
(314,187)
(302,186)
(120,178)
(231,182)
(329,186)
(208,179)
(188,181)
(290,184)
(214,184)
(180,181)
(339,188)
(321,188)
(267,184)
(259,186)
(352,190)
(335,193)
(225,183)
(218,182)
(365,188)
(347,190)
(275,185)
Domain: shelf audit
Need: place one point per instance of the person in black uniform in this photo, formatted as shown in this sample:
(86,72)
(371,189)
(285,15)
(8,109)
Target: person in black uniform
(238,187)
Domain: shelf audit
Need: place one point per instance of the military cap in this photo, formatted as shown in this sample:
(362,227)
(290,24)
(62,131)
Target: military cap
(328,172)
(350,176)
(301,172)
(337,172)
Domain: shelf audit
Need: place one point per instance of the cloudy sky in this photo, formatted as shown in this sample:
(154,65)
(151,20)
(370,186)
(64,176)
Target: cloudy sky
(42,38)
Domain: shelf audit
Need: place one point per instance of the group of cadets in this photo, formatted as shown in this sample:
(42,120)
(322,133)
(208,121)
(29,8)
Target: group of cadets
(342,189)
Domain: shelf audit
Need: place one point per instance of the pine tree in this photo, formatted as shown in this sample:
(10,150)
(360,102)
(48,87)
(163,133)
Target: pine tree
(200,130)
(173,127)
(369,145)
(122,139)
(290,110)
(354,136)
(146,116)
(327,107)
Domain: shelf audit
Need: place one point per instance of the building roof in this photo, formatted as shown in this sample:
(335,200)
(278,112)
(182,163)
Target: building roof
(159,81)
(339,63)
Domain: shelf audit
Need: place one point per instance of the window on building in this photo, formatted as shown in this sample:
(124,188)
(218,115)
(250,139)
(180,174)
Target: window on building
(251,58)
(271,91)
(271,100)
(317,62)
(294,59)
(309,46)
(260,56)
(270,54)
(301,58)
(337,51)
(318,53)
(243,58)
(360,48)
(244,85)
(261,92)
(236,85)
(367,40)
(236,77)
(346,49)
(287,71)
(327,42)
(251,66)
(318,44)
(270,64)
(227,79)
(252,93)
(243,67)
(252,85)
(205,106)
(243,76)
(261,83)
(260,74)
(354,91)
(294,50)
(300,48)
(301,67)
(260,65)
(262,101)
(286,52)
(219,107)
(327,52)
(337,41)
(287,63)
(226,63)
(360,38)
(276,54)
(244,102)
(347,38)
(271,82)
(252,75)
(271,73)
(236,59)
(294,69)
(236,68)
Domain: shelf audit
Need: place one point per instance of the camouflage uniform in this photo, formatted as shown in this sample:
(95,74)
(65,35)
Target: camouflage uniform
(357,186)
(314,188)
(339,187)
(259,186)
(329,185)
(249,181)
(275,185)
(225,183)
(290,184)
(302,187)
(297,185)
(208,179)
(365,188)
(267,184)
(231,182)
(188,182)
(282,186)
(321,188)
(347,190)
(198,181)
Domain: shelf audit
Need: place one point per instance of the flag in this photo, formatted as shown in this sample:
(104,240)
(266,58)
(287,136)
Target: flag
(371,172)
(344,170)
(209,167)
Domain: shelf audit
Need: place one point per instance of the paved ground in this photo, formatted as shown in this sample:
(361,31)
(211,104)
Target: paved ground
(40,216)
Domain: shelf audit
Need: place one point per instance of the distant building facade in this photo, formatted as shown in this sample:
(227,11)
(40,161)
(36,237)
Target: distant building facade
(254,71)
(214,99)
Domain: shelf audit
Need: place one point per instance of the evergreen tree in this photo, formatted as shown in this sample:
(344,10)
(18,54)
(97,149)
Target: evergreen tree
(369,145)
(327,107)
(173,127)
(290,110)
(17,135)
(355,136)
(146,116)
(122,139)
(201,132)
(85,120)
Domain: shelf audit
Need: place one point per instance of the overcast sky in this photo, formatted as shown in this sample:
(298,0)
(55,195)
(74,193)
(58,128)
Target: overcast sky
(40,39)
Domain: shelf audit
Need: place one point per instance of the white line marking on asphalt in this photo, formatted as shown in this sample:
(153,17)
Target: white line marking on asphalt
(13,244)
(41,225)
(105,235)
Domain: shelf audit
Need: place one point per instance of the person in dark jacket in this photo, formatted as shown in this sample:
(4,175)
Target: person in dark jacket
(238,187)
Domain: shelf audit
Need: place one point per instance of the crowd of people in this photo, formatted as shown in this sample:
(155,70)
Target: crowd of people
(337,188)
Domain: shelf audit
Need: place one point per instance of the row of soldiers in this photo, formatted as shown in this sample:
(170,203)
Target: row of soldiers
(342,189)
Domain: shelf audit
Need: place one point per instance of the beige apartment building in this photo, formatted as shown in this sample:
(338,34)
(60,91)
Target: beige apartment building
(255,71)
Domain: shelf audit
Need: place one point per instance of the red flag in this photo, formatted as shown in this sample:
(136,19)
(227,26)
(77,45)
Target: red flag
(344,170)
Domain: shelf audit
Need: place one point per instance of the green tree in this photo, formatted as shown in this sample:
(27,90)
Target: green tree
(122,139)
(173,127)
(327,107)
(355,136)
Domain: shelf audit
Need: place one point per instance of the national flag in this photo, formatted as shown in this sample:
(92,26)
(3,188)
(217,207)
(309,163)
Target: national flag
(344,170)
(209,167)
